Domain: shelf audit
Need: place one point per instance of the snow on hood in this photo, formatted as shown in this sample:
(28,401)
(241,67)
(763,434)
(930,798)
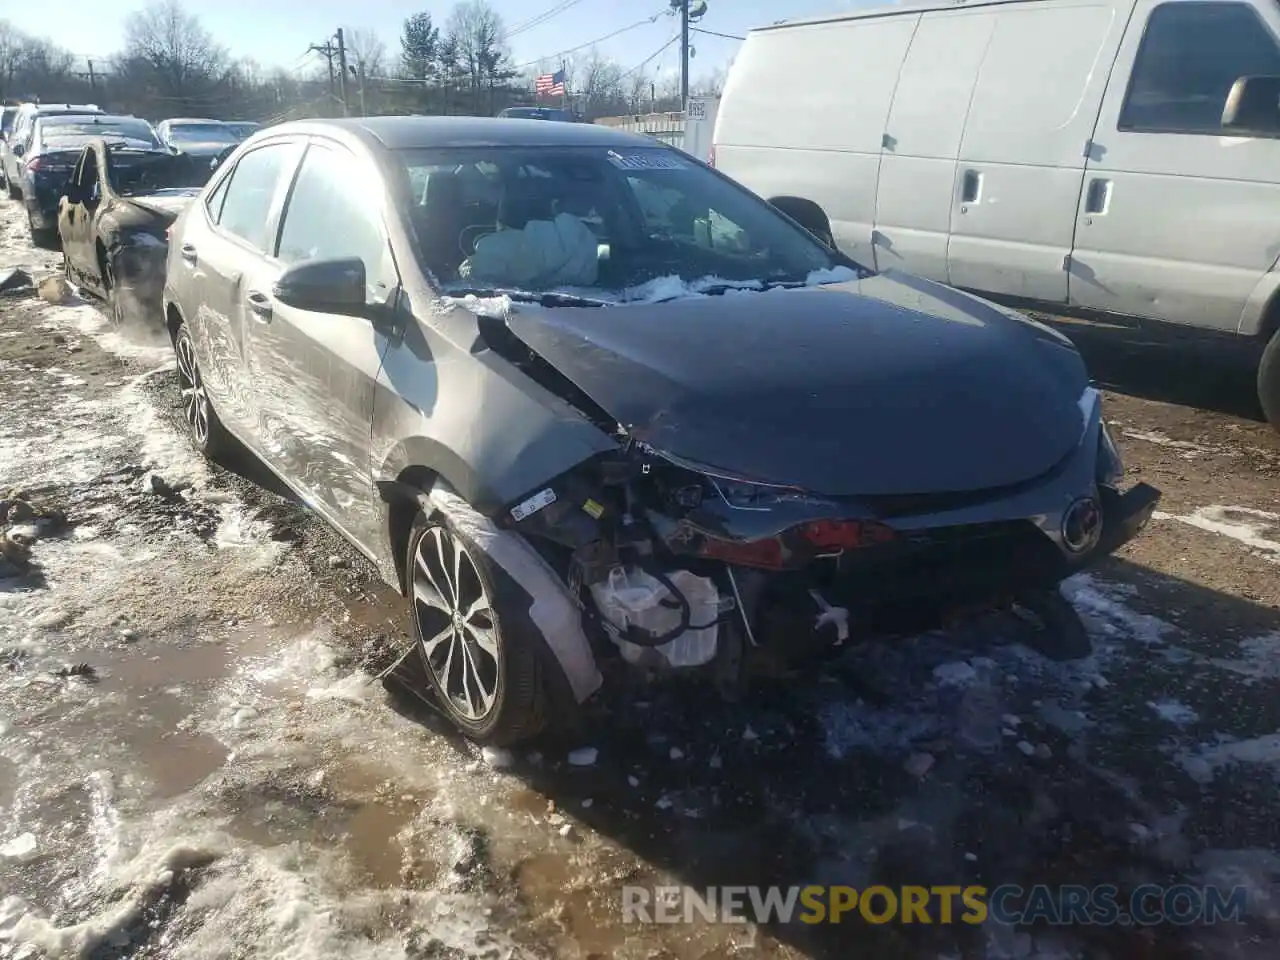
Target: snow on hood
(659,289)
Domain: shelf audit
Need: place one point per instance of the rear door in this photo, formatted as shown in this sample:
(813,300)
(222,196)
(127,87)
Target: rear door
(803,115)
(1177,220)
(922,139)
(313,373)
(1022,157)
(222,255)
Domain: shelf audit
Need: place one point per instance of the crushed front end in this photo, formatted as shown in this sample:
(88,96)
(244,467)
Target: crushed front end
(678,566)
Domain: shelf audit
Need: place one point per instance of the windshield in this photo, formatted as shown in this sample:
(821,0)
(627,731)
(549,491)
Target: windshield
(7,116)
(62,133)
(640,223)
(202,133)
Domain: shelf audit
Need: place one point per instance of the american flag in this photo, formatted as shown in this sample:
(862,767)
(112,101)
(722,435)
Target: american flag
(549,84)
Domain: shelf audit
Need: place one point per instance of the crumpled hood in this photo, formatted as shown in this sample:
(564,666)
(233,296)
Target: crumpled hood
(887,385)
(170,201)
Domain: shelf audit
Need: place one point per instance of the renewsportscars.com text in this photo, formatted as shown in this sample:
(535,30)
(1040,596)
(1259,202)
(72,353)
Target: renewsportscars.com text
(1103,905)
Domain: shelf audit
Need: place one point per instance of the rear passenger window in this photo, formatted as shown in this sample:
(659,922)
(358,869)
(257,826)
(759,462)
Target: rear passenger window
(1190,56)
(247,203)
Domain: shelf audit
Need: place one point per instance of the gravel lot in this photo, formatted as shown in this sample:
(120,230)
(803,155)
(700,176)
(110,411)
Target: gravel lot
(221,778)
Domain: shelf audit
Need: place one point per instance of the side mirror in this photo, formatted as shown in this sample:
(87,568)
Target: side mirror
(18,149)
(1253,106)
(324,286)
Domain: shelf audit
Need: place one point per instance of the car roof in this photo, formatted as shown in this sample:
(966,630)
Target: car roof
(173,120)
(407,133)
(55,118)
(53,108)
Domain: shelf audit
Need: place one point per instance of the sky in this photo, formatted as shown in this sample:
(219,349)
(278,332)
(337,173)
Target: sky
(278,33)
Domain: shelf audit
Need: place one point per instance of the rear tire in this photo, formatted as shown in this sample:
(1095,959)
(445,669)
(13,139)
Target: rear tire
(44,238)
(115,302)
(204,429)
(1269,381)
(474,636)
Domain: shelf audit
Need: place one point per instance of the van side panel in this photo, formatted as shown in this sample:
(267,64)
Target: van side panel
(926,122)
(803,114)
(1022,158)
(1177,221)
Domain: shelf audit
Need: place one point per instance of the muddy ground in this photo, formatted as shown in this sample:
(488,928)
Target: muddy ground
(196,762)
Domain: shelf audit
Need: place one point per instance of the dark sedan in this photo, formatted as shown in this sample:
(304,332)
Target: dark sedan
(50,157)
(113,219)
(578,395)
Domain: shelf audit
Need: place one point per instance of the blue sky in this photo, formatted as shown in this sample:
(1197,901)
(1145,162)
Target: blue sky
(278,33)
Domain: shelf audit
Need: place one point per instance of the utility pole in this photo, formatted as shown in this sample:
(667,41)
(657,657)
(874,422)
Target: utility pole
(359,68)
(93,80)
(684,54)
(342,68)
(328,52)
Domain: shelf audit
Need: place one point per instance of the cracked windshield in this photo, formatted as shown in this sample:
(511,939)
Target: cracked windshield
(694,480)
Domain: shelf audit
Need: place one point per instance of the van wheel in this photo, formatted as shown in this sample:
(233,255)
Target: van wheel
(472,628)
(1269,381)
(808,214)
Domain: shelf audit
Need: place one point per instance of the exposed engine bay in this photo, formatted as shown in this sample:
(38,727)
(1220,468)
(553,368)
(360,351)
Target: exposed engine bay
(677,565)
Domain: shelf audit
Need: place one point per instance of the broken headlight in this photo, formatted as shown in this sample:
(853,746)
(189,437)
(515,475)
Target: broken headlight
(744,495)
(1110,469)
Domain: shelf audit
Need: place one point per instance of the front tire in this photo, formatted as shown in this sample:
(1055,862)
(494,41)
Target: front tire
(1269,381)
(473,636)
(204,428)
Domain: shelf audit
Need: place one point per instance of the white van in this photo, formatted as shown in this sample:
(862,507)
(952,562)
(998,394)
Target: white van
(1113,155)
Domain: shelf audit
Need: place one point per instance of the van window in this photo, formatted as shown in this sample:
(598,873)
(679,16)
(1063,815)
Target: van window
(1190,56)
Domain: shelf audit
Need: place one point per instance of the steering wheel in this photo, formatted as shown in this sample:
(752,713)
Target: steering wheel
(471,235)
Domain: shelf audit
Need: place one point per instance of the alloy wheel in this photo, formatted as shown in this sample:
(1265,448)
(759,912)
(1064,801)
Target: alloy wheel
(195,403)
(456,625)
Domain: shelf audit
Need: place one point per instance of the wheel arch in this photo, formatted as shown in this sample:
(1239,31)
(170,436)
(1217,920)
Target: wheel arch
(806,213)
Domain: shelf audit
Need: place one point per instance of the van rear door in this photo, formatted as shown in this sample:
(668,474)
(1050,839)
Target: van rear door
(803,115)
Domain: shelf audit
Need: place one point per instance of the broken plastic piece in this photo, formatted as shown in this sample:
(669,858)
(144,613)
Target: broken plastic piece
(837,615)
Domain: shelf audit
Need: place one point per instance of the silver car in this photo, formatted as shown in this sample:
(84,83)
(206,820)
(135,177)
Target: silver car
(579,396)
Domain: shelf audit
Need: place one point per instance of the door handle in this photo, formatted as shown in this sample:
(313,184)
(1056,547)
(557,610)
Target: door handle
(1098,198)
(188,252)
(260,304)
(971,189)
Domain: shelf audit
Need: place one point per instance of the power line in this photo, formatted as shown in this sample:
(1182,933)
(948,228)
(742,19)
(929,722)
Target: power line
(649,59)
(591,43)
(713,33)
(541,18)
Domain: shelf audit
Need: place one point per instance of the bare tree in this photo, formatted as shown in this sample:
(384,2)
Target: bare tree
(599,85)
(476,30)
(709,85)
(365,51)
(169,47)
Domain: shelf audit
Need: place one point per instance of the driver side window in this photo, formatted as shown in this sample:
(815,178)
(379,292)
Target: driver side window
(327,216)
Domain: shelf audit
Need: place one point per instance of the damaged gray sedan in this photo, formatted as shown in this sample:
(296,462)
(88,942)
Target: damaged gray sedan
(585,400)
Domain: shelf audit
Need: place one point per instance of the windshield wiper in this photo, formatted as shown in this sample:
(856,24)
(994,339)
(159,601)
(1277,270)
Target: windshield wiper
(548,299)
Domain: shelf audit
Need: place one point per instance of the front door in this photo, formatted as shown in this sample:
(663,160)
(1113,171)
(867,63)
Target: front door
(75,221)
(313,373)
(1176,220)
